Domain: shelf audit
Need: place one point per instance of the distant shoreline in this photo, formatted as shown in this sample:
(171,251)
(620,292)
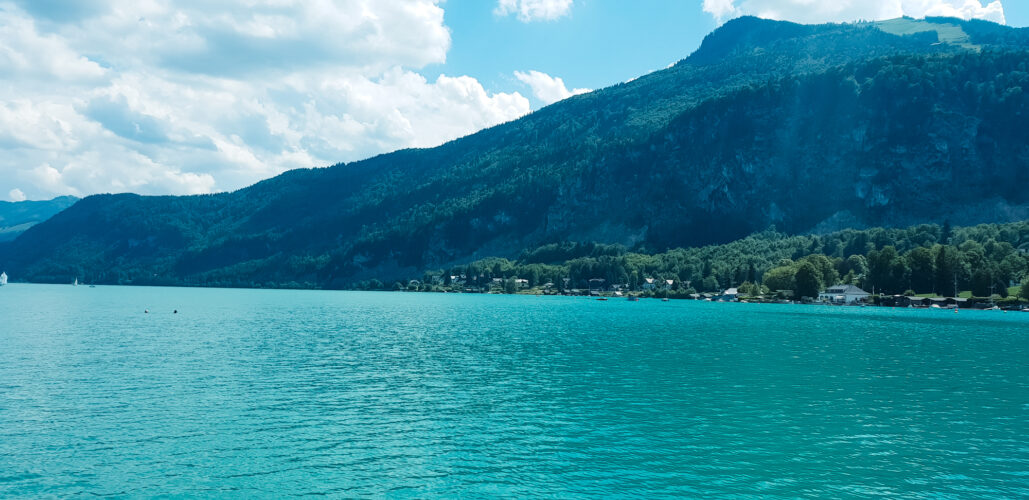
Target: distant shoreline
(979,305)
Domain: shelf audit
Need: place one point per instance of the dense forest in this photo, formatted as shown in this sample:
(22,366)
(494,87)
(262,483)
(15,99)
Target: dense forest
(928,260)
(810,129)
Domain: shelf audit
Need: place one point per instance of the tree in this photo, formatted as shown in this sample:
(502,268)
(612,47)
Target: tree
(981,282)
(855,265)
(849,279)
(1002,289)
(510,286)
(944,272)
(809,281)
(1024,292)
(533,276)
(826,269)
(886,270)
(923,269)
(781,278)
(634,280)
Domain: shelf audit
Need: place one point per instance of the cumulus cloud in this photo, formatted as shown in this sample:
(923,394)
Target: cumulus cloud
(192,97)
(27,54)
(16,195)
(534,10)
(547,88)
(721,9)
(817,11)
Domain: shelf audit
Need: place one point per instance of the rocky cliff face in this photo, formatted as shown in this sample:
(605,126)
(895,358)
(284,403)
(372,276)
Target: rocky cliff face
(804,127)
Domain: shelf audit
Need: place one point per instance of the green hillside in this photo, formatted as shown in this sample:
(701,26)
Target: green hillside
(945,32)
(18,217)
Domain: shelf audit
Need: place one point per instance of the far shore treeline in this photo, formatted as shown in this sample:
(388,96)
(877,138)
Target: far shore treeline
(987,260)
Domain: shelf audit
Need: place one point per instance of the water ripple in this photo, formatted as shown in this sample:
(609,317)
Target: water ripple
(250,393)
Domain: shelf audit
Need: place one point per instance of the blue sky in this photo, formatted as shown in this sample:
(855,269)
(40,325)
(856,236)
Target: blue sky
(183,96)
(597,44)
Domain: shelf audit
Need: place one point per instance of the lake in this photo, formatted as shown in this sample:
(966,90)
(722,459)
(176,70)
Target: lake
(262,393)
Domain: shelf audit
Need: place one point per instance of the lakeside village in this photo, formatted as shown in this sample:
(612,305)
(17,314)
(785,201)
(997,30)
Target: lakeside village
(667,289)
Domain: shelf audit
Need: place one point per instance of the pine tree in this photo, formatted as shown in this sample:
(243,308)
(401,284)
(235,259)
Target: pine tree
(944,273)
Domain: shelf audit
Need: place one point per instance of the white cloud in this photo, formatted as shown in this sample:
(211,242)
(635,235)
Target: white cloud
(226,38)
(186,97)
(534,10)
(721,9)
(16,195)
(114,169)
(968,9)
(27,54)
(818,11)
(401,107)
(547,88)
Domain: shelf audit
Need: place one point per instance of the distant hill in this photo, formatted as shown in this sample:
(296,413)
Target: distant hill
(807,128)
(17,217)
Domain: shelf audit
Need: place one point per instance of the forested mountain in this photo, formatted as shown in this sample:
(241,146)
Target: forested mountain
(807,128)
(17,217)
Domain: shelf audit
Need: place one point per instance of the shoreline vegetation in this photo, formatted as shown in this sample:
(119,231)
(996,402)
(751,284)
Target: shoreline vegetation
(928,265)
(1014,301)
(983,266)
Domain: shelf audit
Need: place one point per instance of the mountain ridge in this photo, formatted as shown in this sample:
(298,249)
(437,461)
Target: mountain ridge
(17,217)
(607,166)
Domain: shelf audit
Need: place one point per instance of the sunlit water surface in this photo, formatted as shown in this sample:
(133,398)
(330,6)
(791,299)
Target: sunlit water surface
(250,393)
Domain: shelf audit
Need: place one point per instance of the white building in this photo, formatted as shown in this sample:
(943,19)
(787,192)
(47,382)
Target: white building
(730,294)
(843,294)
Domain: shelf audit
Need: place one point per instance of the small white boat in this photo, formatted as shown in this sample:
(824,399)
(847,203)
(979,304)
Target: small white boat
(3,279)
(76,282)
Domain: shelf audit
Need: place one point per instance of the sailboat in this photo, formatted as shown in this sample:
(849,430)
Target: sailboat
(76,283)
(3,279)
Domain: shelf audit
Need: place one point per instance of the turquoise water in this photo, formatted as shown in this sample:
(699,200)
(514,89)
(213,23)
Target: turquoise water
(251,393)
